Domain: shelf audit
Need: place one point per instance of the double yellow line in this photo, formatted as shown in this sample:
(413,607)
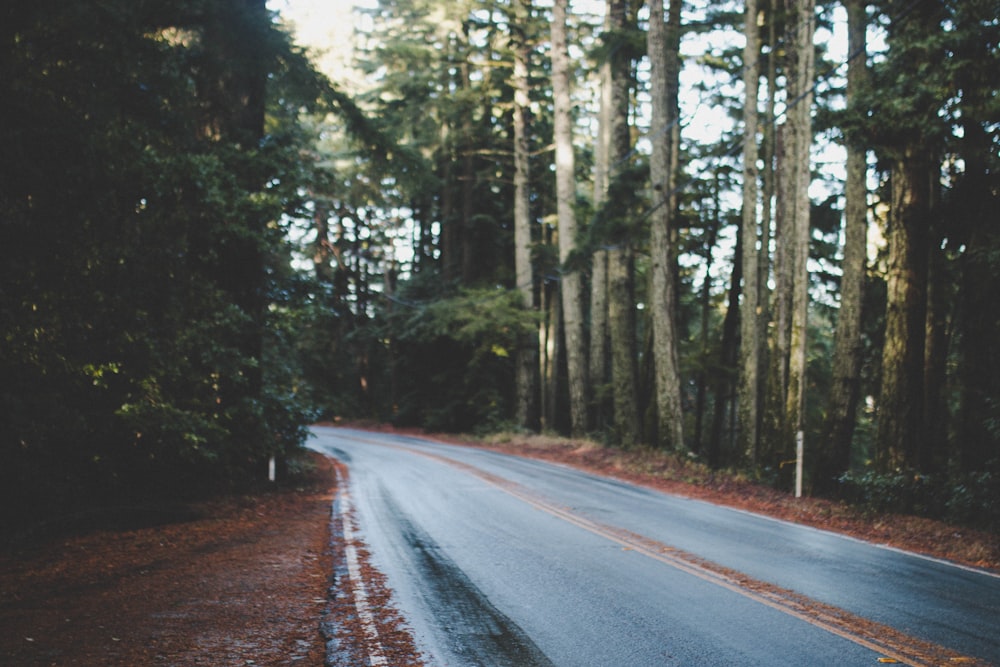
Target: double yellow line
(892,645)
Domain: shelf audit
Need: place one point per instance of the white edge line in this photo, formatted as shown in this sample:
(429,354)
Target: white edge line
(825,531)
(759,515)
(870,543)
(376,654)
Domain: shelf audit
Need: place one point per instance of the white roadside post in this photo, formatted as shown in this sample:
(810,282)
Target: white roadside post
(799,441)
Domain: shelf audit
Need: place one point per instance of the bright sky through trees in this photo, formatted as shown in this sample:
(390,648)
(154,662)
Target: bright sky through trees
(327,29)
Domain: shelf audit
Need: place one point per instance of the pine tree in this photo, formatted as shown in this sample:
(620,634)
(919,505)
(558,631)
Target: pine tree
(572,284)
(663,48)
(848,336)
(748,399)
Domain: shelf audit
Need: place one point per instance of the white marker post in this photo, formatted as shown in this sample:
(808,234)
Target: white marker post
(270,469)
(799,442)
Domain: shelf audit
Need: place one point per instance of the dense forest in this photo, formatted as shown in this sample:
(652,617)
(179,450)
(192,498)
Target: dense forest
(724,230)
(150,150)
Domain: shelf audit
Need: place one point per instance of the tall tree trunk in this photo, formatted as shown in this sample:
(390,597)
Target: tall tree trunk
(599,336)
(705,375)
(600,341)
(934,455)
(572,283)
(911,153)
(979,370)
(550,335)
(901,397)
(450,233)
(800,116)
(322,247)
(621,298)
(664,71)
(978,443)
(774,424)
(847,338)
(768,233)
(467,178)
(527,352)
(621,323)
(721,439)
(748,397)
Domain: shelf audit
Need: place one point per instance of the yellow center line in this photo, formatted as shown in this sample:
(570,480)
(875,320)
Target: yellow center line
(894,645)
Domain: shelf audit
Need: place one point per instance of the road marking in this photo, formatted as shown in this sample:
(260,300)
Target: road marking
(879,638)
(376,654)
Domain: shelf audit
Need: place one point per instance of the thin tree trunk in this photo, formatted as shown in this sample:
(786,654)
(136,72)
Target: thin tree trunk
(600,340)
(704,375)
(664,67)
(979,283)
(934,455)
(621,322)
(572,283)
(621,301)
(450,255)
(467,181)
(848,343)
(550,334)
(748,396)
(527,353)
(801,121)
(599,337)
(720,447)
(768,231)
(773,425)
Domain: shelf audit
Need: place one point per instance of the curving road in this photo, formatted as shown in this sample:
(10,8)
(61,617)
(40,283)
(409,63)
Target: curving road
(498,560)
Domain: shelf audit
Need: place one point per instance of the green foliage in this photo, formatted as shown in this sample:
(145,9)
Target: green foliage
(620,219)
(966,499)
(454,358)
(140,246)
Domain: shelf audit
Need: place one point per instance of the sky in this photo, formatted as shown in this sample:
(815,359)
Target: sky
(326,28)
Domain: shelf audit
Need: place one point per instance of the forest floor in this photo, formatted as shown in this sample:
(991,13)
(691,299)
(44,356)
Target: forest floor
(235,581)
(250,580)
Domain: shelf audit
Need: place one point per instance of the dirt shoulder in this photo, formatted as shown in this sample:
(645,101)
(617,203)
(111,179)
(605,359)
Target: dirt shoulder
(237,582)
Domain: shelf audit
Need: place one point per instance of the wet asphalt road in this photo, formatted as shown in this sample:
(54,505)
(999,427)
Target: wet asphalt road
(499,561)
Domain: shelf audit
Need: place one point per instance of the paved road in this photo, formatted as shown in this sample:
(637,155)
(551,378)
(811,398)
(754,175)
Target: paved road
(497,560)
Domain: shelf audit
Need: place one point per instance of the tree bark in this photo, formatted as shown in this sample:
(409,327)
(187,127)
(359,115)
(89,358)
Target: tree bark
(550,362)
(721,440)
(664,71)
(599,336)
(748,397)
(572,283)
(773,425)
(901,397)
(621,322)
(801,124)
(467,176)
(847,338)
(979,284)
(527,353)
(621,298)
